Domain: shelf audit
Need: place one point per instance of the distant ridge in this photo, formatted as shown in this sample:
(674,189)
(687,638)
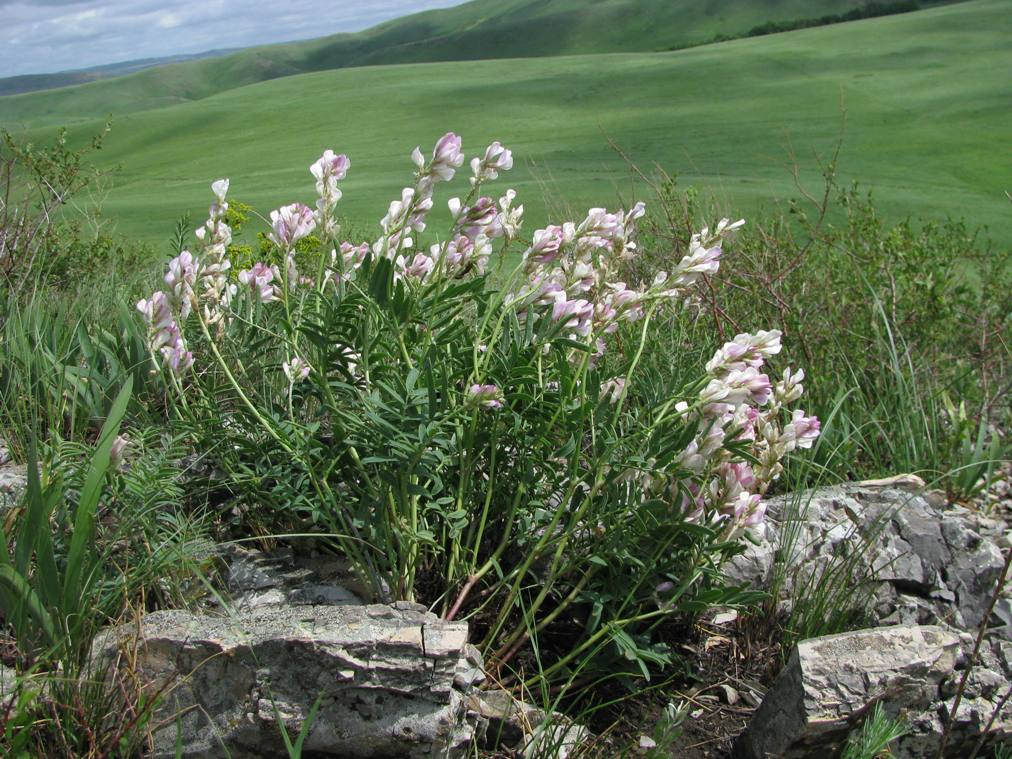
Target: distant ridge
(17,85)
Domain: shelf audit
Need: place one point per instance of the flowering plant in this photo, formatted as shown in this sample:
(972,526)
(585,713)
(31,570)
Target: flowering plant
(474,437)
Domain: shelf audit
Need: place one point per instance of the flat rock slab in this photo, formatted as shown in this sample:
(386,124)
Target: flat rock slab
(392,680)
(831,684)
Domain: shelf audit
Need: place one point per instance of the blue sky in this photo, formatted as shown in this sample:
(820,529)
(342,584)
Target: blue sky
(39,36)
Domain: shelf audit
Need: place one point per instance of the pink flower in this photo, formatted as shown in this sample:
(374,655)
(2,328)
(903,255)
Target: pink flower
(486,396)
(181,277)
(164,335)
(259,280)
(291,223)
(613,388)
(446,158)
(692,502)
(576,315)
(481,218)
(157,312)
(627,303)
(757,512)
(330,167)
(177,358)
(545,246)
(700,260)
(600,223)
(745,351)
(497,158)
(352,257)
(738,476)
(748,384)
(419,268)
(804,429)
(296,370)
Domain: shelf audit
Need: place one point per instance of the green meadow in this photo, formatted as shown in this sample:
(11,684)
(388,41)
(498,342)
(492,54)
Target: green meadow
(922,101)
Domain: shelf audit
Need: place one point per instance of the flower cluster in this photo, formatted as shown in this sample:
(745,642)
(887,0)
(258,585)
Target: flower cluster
(164,336)
(192,281)
(214,262)
(567,276)
(261,281)
(739,403)
(570,269)
(475,224)
(328,171)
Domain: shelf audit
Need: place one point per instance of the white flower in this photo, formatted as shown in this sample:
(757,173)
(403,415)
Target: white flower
(296,370)
(220,188)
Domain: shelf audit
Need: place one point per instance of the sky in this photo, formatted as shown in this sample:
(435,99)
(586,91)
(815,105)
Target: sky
(41,36)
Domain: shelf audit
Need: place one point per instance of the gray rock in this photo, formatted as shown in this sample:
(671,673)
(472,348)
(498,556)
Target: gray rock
(830,682)
(501,719)
(504,722)
(8,687)
(393,681)
(13,483)
(936,564)
(830,685)
(280,578)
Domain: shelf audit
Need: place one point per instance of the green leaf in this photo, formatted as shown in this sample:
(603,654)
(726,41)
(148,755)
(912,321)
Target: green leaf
(16,587)
(84,521)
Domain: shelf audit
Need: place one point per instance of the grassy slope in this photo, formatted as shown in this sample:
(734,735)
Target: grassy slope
(926,96)
(16,85)
(475,30)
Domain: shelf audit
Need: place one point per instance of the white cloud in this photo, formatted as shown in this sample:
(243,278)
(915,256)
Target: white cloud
(39,36)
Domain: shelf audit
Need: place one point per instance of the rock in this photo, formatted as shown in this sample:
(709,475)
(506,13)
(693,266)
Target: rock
(9,687)
(502,720)
(830,685)
(13,483)
(280,578)
(936,564)
(393,681)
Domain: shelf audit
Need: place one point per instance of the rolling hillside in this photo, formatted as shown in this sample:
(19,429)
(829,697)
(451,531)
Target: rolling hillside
(926,97)
(17,85)
(474,30)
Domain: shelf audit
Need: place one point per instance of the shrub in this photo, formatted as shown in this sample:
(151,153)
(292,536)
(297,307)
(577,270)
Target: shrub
(479,439)
(36,182)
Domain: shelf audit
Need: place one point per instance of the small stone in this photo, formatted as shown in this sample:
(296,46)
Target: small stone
(646,742)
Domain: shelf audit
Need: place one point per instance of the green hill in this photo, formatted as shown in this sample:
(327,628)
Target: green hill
(16,85)
(926,97)
(472,31)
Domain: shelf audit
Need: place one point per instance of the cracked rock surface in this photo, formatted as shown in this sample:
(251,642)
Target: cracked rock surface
(937,563)
(393,679)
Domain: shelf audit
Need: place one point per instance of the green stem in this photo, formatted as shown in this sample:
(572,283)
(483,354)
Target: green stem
(239,391)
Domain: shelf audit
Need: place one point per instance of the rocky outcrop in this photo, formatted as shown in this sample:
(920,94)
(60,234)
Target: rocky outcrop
(392,680)
(830,685)
(936,563)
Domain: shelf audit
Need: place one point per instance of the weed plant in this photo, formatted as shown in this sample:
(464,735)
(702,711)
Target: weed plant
(482,439)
